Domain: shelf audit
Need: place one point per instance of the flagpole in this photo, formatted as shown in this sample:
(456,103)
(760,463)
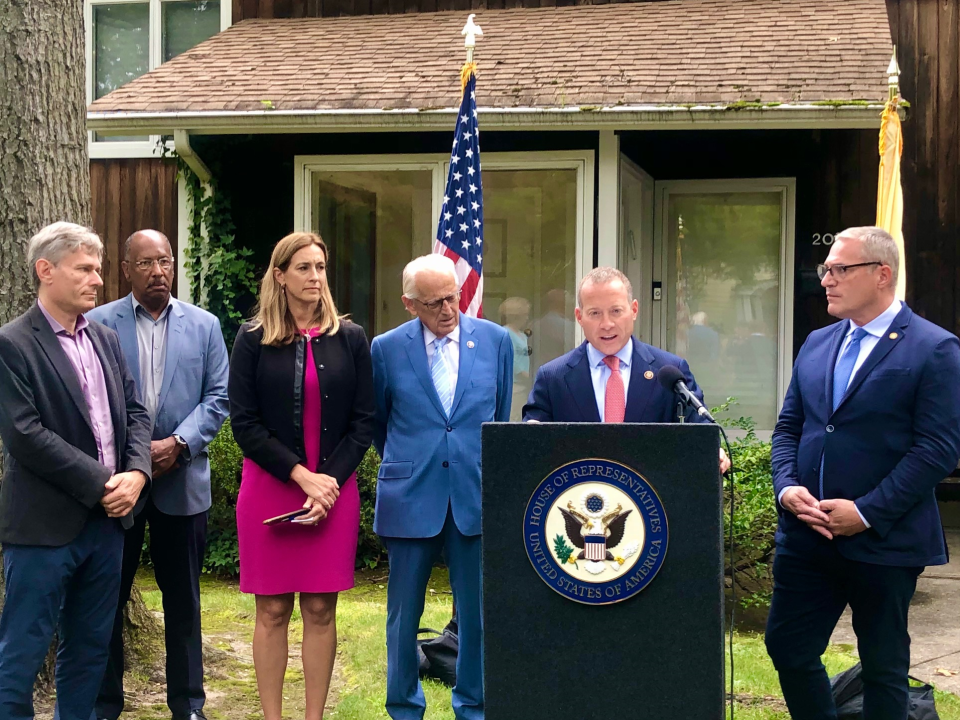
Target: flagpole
(460,225)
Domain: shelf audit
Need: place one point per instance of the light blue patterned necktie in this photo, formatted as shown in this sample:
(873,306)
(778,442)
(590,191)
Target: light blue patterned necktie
(440,371)
(841,377)
(844,367)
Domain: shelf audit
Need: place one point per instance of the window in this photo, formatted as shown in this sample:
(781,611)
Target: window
(378,213)
(127,38)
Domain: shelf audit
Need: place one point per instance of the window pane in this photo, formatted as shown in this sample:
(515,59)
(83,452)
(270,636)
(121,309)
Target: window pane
(187,23)
(529,266)
(724,278)
(374,223)
(121,49)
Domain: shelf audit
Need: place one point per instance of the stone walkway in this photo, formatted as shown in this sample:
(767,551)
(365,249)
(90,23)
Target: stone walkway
(934,615)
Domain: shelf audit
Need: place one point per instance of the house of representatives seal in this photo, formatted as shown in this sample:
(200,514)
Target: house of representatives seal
(595,531)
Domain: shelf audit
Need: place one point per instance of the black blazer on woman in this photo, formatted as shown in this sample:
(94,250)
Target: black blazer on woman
(266,401)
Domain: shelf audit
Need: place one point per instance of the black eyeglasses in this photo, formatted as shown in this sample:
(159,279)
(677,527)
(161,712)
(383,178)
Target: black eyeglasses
(839,272)
(435,305)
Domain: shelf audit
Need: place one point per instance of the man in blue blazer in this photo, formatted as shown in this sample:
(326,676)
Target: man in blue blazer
(869,426)
(179,361)
(611,376)
(436,379)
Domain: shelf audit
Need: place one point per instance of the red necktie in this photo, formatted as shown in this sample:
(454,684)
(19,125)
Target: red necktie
(615,401)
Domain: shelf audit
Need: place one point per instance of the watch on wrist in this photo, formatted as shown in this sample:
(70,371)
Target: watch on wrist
(181,443)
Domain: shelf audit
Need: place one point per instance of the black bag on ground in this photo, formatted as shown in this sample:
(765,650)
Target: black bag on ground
(438,655)
(848,697)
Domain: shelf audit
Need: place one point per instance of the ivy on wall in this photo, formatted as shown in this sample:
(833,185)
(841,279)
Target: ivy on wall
(219,271)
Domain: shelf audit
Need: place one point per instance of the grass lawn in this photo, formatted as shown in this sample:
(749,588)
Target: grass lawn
(359,682)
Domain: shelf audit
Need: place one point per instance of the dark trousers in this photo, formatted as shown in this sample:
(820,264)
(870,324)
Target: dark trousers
(177,546)
(809,595)
(75,587)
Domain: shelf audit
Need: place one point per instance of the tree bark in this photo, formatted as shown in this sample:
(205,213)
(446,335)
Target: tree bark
(44,167)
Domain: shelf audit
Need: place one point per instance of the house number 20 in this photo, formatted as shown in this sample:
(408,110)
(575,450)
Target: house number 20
(825,239)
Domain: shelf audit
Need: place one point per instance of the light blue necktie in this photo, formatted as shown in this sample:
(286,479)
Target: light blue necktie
(841,377)
(442,378)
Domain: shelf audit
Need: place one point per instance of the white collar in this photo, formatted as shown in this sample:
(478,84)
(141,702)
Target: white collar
(625,354)
(429,337)
(138,304)
(878,326)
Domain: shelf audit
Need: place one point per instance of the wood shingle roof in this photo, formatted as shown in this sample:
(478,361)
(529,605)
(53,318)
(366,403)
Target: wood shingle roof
(673,53)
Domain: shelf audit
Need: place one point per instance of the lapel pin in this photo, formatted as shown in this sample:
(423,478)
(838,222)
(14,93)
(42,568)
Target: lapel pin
(648,374)
(470,344)
(893,336)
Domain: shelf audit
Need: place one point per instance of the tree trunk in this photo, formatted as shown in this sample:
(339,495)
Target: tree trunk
(44,168)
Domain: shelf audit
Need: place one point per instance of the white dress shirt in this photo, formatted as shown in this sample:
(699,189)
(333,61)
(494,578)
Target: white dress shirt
(600,373)
(451,351)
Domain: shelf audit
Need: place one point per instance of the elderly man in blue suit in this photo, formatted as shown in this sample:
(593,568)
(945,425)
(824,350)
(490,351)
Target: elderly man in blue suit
(437,378)
(869,426)
(179,362)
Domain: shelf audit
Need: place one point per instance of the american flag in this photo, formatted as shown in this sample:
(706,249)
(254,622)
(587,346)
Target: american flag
(460,230)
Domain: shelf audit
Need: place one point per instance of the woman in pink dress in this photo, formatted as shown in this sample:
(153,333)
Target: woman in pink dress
(302,410)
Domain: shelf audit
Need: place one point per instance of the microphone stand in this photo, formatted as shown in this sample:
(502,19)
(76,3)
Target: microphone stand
(681,405)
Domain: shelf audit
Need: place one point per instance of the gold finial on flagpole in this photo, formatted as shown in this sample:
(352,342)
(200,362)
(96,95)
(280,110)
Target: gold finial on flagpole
(893,76)
(470,32)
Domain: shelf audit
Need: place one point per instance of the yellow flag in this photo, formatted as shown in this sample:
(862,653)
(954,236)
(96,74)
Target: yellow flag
(889,192)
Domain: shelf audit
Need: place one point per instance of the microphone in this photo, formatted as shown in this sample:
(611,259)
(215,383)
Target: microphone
(671,377)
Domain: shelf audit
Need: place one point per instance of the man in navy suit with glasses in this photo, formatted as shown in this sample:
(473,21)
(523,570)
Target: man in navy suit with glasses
(869,426)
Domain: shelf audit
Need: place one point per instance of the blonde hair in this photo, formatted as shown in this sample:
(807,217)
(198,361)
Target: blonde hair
(272,313)
(513,308)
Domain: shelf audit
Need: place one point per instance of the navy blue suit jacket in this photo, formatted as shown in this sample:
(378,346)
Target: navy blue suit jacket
(563,389)
(894,436)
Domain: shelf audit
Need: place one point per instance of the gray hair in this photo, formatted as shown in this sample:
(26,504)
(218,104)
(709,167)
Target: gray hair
(878,246)
(602,276)
(56,241)
(430,263)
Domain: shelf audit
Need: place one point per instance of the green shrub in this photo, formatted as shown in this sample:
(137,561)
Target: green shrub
(755,517)
(226,464)
(370,551)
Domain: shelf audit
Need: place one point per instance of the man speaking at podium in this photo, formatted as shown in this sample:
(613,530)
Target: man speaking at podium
(612,376)
(869,426)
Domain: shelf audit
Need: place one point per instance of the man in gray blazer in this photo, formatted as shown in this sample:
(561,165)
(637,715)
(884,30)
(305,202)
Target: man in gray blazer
(76,444)
(179,362)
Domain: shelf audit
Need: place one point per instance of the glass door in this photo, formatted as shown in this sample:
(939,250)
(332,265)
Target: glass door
(726,267)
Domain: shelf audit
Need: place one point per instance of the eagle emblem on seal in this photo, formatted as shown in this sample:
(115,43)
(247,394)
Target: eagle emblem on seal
(595,527)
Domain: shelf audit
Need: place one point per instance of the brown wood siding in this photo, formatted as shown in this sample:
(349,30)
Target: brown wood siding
(927,35)
(129,195)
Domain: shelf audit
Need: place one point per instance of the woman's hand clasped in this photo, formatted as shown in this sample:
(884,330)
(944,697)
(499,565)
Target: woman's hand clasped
(322,492)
